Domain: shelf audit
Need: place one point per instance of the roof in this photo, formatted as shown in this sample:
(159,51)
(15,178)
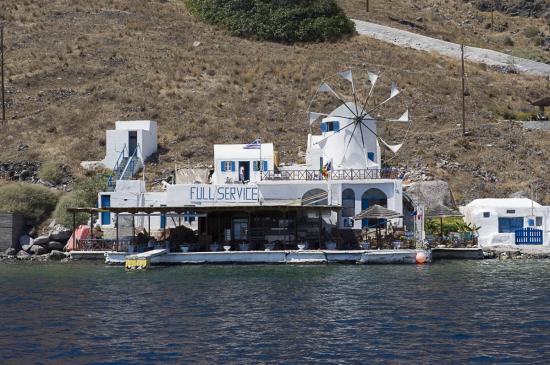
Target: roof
(542,102)
(237,151)
(503,203)
(377,212)
(442,211)
(278,204)
(134,124)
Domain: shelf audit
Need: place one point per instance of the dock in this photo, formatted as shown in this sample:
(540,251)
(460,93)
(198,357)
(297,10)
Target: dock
(163,257)
(457,253)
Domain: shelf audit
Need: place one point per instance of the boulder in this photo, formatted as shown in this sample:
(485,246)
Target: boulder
(54,245)
(41,240)
(60,233)
(43,257)
(22,255)
(25,240)
(37,250)
(57,255)
(11,251)
(27,247)
(431,194)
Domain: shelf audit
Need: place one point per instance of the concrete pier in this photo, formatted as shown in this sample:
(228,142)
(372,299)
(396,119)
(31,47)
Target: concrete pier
(457,254)
(270,257)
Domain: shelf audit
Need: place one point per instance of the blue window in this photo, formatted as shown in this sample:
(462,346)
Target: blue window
(509,225)
(370,156)
(105,216)
(265,166)
(162,219)
(330,127)
(228,166)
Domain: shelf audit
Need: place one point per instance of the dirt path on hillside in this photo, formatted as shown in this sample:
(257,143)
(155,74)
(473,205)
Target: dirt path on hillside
(479,55)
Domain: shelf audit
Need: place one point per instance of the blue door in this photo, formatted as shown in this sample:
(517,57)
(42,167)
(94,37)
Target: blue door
(105,216)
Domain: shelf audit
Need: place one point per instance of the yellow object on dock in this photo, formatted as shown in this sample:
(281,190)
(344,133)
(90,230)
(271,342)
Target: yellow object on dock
(137,263)
(142,261)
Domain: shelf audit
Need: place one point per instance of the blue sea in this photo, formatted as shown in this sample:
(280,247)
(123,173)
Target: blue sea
(451,312)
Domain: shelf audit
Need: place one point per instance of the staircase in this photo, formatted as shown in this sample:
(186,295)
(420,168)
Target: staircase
(125,168)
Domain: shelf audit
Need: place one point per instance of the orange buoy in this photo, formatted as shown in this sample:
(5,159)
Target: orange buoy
(420,257)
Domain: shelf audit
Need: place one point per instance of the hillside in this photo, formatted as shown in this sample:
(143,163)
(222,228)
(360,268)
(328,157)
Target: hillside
(75,68)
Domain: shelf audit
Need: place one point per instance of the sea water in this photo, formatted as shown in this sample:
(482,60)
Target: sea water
(445,312)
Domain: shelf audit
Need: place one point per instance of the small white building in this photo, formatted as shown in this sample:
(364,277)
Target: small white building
(232,159)
(129,137)
(499,219)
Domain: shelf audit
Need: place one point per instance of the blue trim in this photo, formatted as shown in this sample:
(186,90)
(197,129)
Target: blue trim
(265,166)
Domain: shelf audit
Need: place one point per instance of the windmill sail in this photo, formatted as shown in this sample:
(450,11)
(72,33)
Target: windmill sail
(313,116)
(404,118)
(394,148)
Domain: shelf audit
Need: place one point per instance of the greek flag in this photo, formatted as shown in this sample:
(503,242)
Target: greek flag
(254,145)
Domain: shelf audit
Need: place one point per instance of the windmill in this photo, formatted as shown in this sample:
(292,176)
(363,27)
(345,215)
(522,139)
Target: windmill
(354,143)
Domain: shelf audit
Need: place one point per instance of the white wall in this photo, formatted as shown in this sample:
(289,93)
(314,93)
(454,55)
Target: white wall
(115,140)
(489,231)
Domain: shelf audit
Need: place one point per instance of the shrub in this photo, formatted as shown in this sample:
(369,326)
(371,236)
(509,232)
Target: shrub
(51,171)
(84,195)
(282,21)
(531,32)
(35,202)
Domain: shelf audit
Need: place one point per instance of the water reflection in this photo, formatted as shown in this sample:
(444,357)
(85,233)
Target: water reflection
(448,312)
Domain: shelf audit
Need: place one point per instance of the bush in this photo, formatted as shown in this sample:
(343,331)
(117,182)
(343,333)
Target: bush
(84,195)
(51,171)
(35,202)
(282,21)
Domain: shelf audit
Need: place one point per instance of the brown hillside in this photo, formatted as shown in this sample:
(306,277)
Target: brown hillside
(75,67)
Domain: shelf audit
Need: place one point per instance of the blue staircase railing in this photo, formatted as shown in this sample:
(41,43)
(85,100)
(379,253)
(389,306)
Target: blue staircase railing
(131,167)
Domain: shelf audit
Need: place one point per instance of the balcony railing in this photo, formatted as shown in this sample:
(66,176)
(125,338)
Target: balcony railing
(349,174)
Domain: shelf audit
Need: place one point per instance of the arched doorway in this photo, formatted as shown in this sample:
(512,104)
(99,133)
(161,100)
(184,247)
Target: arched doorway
(371,197)
(348,207)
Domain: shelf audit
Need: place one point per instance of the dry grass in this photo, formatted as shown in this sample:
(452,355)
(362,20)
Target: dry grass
(457,21)
(75,67)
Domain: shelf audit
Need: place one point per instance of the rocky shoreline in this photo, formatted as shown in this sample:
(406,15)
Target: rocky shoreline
(47,247)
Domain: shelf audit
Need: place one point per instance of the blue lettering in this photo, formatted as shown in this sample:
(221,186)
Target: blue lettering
(232,193)
(220,193)
(254,194)
(192,191)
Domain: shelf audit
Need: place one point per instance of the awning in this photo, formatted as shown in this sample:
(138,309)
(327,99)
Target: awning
(377,212)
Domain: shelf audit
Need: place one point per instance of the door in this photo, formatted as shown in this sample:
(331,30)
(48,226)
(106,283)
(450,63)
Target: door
(132,142)
(244,169)
(105,216)
(240,229)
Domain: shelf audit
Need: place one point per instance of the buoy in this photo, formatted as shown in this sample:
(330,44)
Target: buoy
(420,257)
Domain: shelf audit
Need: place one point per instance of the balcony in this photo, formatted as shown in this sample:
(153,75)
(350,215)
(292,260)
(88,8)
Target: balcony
(350,174)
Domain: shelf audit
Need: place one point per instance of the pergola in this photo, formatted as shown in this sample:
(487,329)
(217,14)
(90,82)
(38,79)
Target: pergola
(441,211)
(284,207)
(378,212)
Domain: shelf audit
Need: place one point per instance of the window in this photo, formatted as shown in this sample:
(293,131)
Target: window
(509,225)
(330,127)
(228,166)
(538,223)
(256,165)
(511,211)
(348,203)
(486,214)
(370,156)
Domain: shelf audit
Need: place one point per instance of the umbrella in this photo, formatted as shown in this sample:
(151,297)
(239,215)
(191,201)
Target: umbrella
(377,212)
(441,212)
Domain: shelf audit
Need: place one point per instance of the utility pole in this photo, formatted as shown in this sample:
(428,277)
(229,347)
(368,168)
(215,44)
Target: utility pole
(463,91)
(367,5)
(2,67)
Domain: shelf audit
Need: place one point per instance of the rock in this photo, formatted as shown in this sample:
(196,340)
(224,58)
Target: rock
(25,240)
(37,250)
(26,247)
(60,233)
(43,257)
(54,245)
(33,233)
(519,194)
(42,240)
(57,255)
(22,146)
(22,255)
(10,251)
(92,165)
(196,43)
(431,194)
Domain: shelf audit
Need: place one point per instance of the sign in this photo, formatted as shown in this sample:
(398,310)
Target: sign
(235,193)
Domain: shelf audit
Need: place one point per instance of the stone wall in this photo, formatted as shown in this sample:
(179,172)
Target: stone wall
(11,227)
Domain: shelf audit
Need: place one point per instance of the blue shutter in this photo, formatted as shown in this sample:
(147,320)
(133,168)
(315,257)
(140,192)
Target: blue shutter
(264,168)
(370,156)
(323,127)
(336,126)
(223,166)
(232,165)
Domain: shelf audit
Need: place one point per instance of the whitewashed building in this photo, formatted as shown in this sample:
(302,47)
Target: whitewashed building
(500,220)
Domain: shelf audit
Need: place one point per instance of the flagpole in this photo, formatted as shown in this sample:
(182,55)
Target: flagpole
(261,162)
